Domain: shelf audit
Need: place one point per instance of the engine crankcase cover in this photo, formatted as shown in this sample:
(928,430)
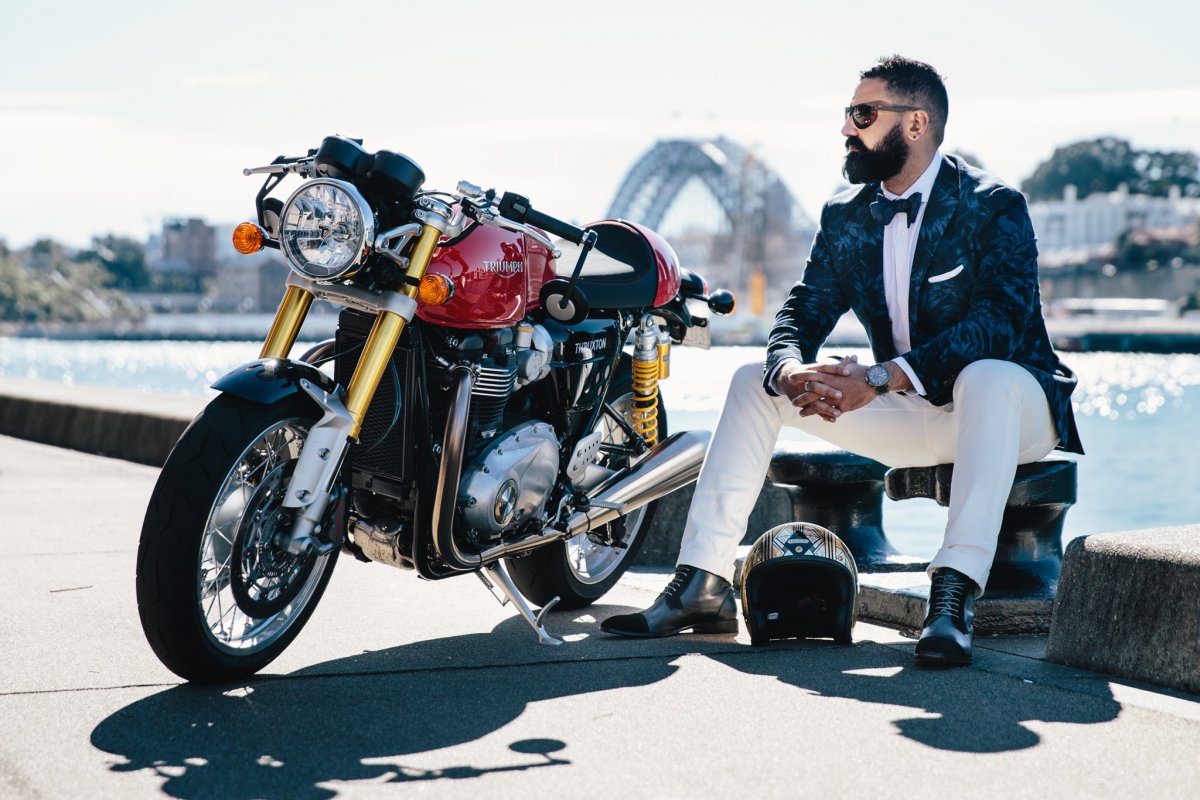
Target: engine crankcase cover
(511,480)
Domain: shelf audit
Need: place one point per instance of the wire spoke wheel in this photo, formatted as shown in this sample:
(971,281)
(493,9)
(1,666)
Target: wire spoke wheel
(250,587)
(217,518)
(589,557)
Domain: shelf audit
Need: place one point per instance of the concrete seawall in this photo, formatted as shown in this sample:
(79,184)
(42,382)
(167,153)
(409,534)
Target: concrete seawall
(130,425)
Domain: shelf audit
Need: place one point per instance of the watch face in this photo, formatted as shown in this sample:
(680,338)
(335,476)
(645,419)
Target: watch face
(877,375)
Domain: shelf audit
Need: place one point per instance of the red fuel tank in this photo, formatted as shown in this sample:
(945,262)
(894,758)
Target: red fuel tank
(497,275)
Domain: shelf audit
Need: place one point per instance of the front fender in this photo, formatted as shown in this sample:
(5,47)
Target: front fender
(269,380)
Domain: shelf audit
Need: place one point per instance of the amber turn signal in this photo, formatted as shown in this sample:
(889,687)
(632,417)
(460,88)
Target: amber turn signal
(435,290)
(247,238)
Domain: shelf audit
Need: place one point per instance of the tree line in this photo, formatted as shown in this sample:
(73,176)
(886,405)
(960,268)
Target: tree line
(1104,164)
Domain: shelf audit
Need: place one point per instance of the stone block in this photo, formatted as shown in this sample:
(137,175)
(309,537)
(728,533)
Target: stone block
(1129,605)
(898,601)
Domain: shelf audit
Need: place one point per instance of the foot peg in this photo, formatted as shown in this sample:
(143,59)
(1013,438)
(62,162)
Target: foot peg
(512,595)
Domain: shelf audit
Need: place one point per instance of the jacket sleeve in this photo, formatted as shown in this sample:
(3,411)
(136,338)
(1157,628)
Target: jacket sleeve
(813,307)
(1002,299)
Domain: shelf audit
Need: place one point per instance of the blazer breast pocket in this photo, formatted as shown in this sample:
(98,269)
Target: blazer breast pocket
(945,276)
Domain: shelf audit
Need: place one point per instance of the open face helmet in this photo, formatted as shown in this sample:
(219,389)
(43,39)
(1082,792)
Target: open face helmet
(799,581)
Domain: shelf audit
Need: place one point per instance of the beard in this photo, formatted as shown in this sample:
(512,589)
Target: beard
(876,166)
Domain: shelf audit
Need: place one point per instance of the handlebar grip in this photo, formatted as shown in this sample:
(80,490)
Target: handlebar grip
(517,208)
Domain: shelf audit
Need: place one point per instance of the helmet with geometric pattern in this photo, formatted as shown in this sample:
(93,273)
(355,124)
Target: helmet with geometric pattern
(799,581)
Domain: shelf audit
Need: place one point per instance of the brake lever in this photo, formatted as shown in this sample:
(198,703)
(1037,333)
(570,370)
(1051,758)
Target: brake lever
(479,205)
(486,214)
(533,233)
(302,166)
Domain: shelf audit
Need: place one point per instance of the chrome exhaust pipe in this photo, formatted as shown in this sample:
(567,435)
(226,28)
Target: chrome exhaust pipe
(668,466)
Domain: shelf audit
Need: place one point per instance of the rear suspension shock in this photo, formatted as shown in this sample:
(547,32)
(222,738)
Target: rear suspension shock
(647,368)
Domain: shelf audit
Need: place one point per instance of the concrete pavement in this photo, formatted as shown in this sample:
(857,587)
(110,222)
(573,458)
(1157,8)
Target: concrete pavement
(399,681)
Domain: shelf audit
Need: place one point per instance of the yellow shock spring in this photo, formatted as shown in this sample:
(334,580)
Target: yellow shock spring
(646,371)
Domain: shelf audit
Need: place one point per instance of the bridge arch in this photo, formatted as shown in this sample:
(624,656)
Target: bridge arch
(743,185)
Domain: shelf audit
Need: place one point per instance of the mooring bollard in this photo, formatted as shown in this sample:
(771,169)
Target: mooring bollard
(1029,552)
(843,492)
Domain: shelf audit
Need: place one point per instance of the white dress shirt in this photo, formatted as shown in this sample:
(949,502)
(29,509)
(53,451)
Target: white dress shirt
(899,247)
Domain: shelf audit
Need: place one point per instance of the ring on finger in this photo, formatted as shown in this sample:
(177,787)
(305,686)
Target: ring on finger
(808,386)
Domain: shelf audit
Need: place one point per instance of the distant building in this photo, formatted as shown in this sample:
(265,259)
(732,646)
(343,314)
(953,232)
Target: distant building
(250,284)
(1072,230)
(185,246)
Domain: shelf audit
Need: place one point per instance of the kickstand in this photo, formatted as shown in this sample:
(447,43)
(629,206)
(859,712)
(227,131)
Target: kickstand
(513,595)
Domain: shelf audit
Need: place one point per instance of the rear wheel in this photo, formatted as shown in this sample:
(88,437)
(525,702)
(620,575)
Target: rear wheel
(582,569)
(218,593)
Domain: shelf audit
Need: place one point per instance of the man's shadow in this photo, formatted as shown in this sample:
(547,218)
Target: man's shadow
(963,710)
(281,736)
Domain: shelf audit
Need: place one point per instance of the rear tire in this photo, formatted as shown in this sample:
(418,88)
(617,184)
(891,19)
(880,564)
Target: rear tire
(218,596)
(579,571)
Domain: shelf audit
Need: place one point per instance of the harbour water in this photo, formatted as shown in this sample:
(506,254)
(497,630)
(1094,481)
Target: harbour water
(1138,415)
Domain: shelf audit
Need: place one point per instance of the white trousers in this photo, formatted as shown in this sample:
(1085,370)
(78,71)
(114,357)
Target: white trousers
(999,418)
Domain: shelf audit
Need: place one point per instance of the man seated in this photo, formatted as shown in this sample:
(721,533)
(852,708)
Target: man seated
(938,260)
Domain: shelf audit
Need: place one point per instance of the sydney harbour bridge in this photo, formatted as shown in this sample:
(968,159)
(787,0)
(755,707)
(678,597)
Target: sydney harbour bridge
(728,215)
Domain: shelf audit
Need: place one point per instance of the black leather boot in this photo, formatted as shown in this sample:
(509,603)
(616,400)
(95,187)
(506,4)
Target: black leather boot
(946,632)
(693,599)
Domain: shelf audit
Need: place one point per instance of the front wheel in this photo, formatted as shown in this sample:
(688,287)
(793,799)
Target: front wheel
(218,593)
(580,570)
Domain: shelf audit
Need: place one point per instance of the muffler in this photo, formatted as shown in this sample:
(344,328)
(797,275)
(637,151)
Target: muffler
(668,466)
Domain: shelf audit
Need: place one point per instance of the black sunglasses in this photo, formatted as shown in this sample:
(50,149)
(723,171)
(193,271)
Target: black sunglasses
(864,114)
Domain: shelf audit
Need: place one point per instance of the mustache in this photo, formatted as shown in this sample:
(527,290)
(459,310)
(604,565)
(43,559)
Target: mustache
(853,142)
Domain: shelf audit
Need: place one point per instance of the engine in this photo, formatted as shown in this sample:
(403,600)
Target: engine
(513,471)
(510,480)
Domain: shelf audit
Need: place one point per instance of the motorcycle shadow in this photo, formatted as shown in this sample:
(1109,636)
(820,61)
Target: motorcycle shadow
(354,719)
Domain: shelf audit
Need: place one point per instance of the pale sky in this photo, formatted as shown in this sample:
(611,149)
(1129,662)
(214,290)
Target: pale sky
(114,115)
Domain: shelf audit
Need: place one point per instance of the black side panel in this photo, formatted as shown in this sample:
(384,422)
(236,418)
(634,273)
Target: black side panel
(584,354)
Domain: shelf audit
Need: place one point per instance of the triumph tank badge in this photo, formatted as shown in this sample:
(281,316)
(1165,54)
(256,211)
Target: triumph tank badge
(505,269)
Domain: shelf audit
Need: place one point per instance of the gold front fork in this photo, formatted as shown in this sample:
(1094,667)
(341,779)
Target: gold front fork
(288,319)
(385,335)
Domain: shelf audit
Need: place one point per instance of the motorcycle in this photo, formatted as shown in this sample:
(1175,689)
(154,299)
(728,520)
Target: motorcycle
(480,410)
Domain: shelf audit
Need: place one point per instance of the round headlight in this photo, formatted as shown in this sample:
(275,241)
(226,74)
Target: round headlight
(326,229)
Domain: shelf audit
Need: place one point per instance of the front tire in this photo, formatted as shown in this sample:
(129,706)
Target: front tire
(218,594)
(579,571)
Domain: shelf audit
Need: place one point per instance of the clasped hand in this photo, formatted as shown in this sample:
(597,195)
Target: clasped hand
(827,390)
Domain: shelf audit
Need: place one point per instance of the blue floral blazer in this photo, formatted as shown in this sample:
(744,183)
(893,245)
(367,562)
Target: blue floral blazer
(973,293)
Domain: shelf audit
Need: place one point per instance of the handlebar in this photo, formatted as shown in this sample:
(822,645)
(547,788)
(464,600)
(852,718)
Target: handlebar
(517,208)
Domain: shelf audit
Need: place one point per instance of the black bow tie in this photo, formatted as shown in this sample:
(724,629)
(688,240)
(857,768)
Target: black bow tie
(884,210)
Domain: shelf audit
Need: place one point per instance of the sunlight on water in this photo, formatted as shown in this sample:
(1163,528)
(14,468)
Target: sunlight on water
(1137,415)
(156,366)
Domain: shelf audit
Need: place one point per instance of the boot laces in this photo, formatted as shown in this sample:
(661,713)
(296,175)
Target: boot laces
(948,595)
(676,585)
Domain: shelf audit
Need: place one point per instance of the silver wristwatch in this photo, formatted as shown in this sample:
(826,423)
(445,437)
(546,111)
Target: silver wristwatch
(878,378)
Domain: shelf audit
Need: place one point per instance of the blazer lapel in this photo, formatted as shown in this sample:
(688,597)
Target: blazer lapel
(943,202)
(867,241)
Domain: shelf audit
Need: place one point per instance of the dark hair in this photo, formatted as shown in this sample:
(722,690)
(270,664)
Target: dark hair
(914,83)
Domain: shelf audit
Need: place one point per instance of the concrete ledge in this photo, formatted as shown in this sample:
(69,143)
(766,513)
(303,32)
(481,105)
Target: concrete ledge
(1129,604)
(131,425)
(898,600)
